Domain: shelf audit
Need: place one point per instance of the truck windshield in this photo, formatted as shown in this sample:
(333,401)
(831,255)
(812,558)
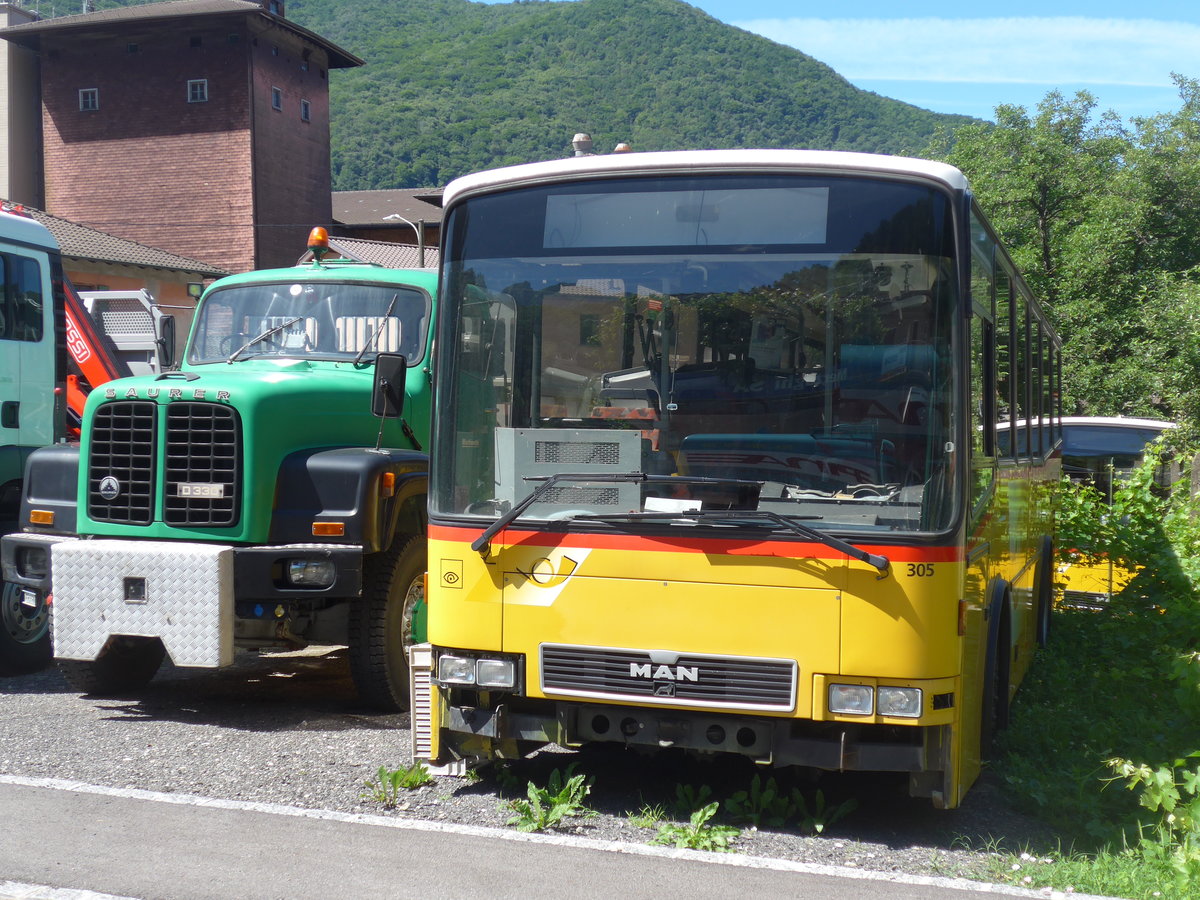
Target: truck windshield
(314,320)
(789,331)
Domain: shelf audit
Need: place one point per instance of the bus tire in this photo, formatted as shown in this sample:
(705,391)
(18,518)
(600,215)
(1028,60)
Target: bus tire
(125,664)
(996,670)
(381,622)
(1044,590)
(24,632)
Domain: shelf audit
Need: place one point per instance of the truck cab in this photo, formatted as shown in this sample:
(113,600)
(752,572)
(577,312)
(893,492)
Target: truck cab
(267,495)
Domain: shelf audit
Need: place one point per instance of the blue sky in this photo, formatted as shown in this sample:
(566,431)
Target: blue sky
(969,58)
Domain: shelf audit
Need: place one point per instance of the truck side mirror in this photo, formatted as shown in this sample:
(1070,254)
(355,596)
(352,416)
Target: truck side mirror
(166,342)
(387,396)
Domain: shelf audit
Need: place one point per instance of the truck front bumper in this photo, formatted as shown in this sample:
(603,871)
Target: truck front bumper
(184,593)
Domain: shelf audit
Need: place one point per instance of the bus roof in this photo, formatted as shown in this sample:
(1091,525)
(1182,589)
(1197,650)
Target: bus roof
(696,161)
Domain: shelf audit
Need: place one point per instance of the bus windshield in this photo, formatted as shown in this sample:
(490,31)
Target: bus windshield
(335,320)
(767,342)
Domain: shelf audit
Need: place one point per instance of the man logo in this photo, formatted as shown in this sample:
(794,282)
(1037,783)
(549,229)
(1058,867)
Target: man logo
(664,673)
(110,488)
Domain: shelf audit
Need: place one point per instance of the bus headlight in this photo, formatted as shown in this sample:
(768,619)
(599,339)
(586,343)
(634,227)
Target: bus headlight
(456,670)
(497,673)
(851,699)
(899,701)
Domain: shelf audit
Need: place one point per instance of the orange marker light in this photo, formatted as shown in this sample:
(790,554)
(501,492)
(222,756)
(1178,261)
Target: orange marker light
(318,242)
(328,529)
(387,484)
(41,517)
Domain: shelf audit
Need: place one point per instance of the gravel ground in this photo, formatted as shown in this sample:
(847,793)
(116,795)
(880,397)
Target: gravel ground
(288,730)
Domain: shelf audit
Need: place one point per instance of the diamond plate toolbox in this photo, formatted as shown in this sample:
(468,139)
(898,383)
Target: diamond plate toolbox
(179,592)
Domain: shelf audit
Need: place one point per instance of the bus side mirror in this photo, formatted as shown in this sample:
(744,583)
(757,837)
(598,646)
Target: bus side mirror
(387,396)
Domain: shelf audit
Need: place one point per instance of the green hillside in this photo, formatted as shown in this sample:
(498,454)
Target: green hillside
(451,86)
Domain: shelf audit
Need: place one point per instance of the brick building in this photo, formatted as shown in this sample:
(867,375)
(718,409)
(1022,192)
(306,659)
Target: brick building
(197,126)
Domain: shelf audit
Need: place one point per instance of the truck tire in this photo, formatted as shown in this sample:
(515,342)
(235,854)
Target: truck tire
(381,623)
(24,631)
(124,665)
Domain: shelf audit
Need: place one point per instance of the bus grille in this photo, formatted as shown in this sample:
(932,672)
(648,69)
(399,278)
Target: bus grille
(121,463)
(694,680)
(203,459)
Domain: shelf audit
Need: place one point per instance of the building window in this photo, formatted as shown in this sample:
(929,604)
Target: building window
(276,98)
(305,111)
(89,99)
(198,90)
(274,8)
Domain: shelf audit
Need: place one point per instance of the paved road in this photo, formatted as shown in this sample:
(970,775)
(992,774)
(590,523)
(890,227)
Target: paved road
(142,845)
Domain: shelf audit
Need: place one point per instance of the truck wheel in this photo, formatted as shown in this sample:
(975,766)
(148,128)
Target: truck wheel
(24,631)
(381,623)
(125,664)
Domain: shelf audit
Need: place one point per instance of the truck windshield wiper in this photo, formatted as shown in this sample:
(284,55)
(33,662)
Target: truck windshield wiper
(483,544)
(262,337)
(370,342)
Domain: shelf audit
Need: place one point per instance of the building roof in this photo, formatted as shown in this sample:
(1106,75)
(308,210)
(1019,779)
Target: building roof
(29,34)
(362,208)
(382,253)
(80,242)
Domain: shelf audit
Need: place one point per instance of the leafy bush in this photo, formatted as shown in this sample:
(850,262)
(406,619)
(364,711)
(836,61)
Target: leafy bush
(547,807)
(698,834)
(385,787)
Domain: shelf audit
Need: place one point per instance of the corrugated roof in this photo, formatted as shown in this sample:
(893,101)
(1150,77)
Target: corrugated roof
(382,253)
(81,242)
(29,33)
(361,208)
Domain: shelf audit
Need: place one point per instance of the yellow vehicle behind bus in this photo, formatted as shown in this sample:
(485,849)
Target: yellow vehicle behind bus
(1100,451)
(716,468)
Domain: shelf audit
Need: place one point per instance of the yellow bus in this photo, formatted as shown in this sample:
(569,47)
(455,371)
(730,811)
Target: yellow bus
(715,465)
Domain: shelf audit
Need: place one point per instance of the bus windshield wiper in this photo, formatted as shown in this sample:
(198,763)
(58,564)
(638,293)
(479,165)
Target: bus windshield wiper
(483,544)
(370,342)
(739,516)
(262,337)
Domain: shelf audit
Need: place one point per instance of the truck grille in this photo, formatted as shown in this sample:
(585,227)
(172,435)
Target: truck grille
(695,680)
(203,458)
(121,463)
(201,464)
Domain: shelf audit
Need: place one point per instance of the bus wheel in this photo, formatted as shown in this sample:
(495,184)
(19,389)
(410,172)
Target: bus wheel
(24,630)
(382,622)
(994,710)
(1044,590)
(124,665)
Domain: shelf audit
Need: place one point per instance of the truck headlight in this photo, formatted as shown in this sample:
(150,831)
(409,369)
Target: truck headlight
(485,671)
(899,701)
(317,573)
(851,699)
(33,562)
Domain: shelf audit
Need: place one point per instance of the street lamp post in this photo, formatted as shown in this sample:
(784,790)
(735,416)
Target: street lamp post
(418,229)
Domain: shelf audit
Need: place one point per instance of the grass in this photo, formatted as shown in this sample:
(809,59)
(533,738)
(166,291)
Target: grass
(1101,740)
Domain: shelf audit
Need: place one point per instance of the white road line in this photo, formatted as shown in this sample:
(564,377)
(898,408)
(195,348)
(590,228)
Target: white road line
(726,859)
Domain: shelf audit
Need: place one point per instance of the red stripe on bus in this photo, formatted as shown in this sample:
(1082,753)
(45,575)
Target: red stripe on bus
(658,544)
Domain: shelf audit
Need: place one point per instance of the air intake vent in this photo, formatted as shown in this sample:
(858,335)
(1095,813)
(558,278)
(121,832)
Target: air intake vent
(694,680)
(121,463)
(203,463)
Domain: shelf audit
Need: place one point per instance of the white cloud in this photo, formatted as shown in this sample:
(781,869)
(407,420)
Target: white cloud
(1049,50)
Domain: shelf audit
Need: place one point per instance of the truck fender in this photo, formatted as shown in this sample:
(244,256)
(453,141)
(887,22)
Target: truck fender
(350,485)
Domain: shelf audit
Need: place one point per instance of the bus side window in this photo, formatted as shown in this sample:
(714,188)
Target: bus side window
(21,308)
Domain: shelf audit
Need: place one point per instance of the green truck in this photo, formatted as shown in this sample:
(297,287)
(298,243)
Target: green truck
(268,495)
